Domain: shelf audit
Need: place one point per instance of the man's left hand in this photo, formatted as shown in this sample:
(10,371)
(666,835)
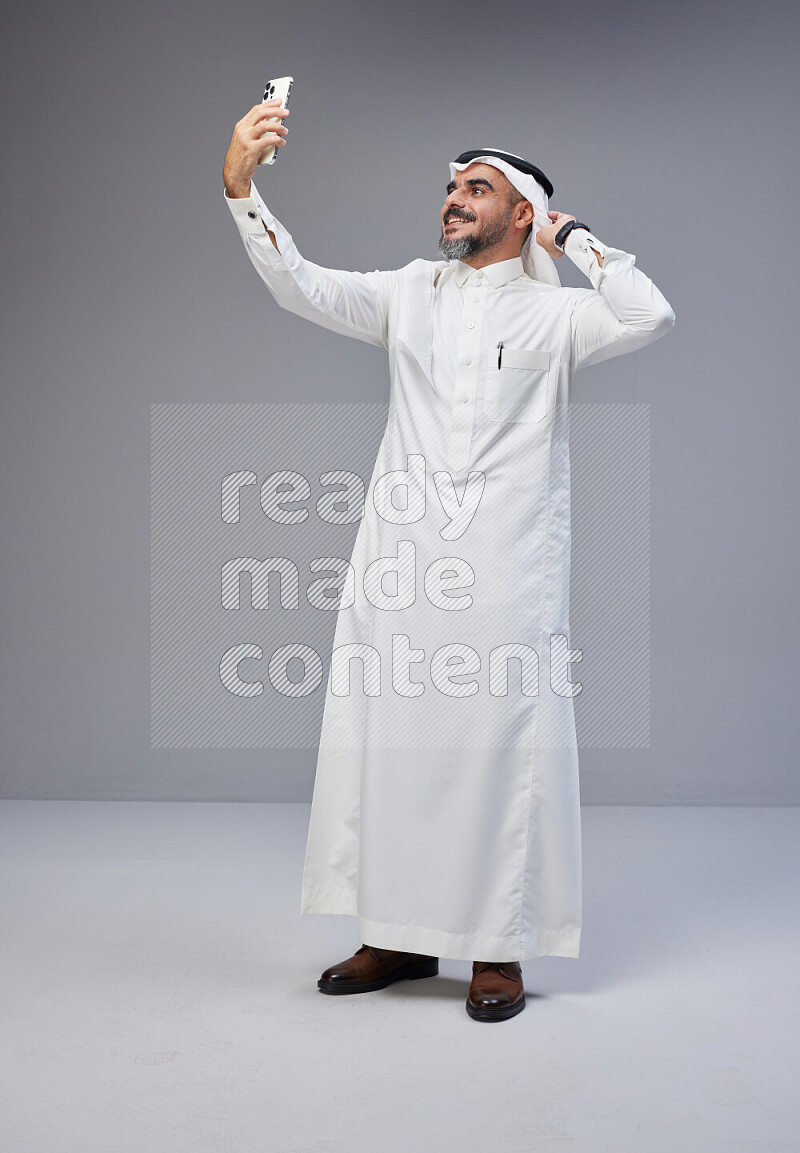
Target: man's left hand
(547,236)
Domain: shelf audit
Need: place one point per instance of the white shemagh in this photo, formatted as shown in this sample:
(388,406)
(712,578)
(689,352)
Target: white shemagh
(536,262)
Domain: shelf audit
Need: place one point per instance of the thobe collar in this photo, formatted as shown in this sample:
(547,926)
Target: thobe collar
(498,274)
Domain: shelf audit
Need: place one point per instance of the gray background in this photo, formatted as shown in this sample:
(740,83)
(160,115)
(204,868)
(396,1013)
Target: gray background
(669,128)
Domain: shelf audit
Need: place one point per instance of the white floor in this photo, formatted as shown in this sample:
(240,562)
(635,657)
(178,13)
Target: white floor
(159,994)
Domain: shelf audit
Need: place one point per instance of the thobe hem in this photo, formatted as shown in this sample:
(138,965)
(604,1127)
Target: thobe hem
(565,942)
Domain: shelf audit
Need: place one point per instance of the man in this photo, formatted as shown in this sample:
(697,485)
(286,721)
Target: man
(446,809)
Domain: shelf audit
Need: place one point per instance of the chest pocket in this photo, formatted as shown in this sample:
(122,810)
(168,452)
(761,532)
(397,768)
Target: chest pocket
(517,392)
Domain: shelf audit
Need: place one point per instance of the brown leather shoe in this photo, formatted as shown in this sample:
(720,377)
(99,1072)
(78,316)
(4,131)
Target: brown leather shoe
(371,968)
(496,991)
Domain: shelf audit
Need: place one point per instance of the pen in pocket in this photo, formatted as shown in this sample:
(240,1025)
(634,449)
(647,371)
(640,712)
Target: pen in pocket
(499,352)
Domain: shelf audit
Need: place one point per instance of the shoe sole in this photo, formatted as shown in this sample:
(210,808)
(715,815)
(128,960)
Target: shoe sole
(411,972)
(501,1014)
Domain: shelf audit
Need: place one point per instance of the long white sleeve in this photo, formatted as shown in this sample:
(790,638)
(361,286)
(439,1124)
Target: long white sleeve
(624,312)
(351,303)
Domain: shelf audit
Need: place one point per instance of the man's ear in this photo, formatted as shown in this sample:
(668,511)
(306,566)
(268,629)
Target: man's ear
(525,213)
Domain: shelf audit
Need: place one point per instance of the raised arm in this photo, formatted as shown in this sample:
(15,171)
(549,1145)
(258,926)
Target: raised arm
(351,303)
(254,133)
(624,310)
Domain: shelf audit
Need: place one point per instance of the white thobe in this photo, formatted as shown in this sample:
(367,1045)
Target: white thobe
(446,806)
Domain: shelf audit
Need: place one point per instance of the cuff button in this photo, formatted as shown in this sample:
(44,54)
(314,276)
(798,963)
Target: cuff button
(252,215)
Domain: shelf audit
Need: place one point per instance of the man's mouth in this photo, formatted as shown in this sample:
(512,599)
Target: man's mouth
(451,220)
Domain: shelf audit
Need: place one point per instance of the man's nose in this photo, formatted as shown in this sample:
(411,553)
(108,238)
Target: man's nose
(454,199)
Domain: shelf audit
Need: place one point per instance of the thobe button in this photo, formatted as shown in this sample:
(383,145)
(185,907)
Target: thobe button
(470,324)
(465,399)
(252,215)
(468,361)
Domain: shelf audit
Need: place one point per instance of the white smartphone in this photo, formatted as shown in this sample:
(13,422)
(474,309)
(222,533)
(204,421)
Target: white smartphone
(276,89)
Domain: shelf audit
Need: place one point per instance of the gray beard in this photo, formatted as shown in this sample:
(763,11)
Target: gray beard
(491,234)
(459,248)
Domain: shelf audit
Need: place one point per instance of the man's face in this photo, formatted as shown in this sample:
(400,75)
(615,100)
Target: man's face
(476,214)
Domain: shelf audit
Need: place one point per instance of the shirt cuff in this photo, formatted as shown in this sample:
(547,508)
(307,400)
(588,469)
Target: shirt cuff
(249,212)
(578,247)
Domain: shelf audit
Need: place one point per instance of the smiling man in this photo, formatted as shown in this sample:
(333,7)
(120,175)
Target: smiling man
(446,807)
(492,198)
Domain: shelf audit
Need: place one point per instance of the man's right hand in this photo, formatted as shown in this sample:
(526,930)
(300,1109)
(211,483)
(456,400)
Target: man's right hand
(251,137)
